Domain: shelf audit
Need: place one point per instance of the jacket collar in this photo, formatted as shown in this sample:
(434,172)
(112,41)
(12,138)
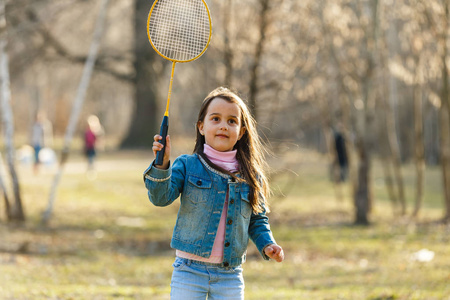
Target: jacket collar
(221,174)
(212,169)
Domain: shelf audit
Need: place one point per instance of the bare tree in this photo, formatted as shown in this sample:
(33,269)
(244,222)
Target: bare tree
(254,71)
(4,192)
(444,115)
(228,52)
(439,27)
(77,106)
(356,75)
(363,194)
(389,97)
(145,118)
(14,212)
(418,128)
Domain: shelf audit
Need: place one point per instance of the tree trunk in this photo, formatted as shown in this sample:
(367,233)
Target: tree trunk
(145,121)
(397,164)
(363,191)
(389,182)
(228,51)
(77,106)
(362,197)
(419,141)
(254,74)
(445,144)
(395,159)
(446,101)
(395,187)
(444,122)
(3,188)
(16,212)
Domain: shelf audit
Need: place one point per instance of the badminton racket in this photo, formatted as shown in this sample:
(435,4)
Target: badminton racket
(179,31)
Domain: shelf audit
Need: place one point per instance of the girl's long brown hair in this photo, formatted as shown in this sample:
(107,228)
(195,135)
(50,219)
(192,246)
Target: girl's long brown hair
(250,151)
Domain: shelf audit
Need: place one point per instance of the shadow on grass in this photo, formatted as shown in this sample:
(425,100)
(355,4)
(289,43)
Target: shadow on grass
(79,241)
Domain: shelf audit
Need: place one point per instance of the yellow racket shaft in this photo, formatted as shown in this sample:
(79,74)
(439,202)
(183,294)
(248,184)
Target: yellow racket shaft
(165,123)
(170,89)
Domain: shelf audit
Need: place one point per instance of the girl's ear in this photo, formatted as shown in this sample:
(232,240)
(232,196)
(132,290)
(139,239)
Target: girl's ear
(200,127)
(241,132)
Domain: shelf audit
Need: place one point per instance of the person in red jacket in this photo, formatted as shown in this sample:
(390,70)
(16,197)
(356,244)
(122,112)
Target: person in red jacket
(92,133)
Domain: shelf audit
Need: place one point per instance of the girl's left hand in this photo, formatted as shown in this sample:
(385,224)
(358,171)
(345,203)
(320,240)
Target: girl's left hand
(274,252)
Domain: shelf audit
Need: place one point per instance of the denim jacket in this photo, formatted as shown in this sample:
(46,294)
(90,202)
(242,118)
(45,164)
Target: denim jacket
(203,192)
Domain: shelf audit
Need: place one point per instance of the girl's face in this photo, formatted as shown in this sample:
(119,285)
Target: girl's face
(222,125)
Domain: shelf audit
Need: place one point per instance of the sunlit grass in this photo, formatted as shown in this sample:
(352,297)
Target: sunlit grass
(106,241)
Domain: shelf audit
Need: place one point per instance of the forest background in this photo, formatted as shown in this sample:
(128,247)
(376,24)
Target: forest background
(376,71)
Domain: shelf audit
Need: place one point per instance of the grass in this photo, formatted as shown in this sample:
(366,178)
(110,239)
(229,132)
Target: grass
(106,241)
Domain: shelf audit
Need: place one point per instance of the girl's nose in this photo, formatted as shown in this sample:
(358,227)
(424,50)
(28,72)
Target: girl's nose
(223,126)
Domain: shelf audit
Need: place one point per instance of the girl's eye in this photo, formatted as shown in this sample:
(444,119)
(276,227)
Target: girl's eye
(234,121)
(215,119)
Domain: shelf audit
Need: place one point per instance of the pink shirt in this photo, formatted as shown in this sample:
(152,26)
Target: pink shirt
(228,161)
(89,138)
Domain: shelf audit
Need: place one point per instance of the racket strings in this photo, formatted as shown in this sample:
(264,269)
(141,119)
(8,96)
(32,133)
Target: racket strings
(180,29)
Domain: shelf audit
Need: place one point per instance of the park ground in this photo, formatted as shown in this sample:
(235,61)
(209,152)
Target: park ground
(106,241)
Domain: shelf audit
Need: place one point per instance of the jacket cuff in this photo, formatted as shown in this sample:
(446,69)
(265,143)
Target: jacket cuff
(264,241)
(158,175)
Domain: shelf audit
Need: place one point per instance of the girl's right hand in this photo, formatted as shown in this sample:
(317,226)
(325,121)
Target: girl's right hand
(157,146)
(275,252)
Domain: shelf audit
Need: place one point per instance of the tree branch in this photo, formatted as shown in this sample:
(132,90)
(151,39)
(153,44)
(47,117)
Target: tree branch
(51,42)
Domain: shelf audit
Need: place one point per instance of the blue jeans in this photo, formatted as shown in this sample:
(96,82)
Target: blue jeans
(193,280)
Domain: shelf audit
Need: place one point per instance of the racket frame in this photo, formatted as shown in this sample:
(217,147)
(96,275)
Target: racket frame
(176,60)
(165,123)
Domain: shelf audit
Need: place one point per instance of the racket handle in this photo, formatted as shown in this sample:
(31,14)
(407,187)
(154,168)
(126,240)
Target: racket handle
(162,132)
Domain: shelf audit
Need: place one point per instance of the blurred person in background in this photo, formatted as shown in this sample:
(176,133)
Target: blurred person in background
(92,135)
(341,159)
(41,136)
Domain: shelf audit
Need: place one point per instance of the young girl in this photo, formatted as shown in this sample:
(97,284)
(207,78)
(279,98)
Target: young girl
(223,200)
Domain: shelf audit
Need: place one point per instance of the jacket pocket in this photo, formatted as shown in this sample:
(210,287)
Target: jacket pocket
(198,189)
(246,208)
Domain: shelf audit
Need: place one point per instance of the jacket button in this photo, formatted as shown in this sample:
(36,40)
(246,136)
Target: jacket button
(230,222)
(227,244)
(231,201)
(225,264)
(199,182)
